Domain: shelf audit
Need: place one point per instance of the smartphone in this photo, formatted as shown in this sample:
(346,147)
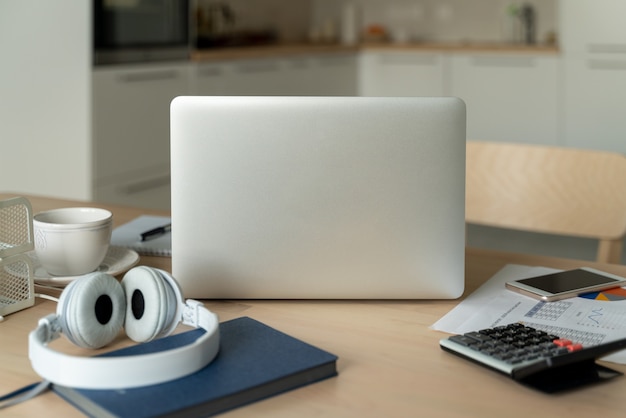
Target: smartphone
(566,284)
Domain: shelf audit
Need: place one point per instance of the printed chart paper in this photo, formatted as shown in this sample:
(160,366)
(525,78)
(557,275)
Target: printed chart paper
(590,319)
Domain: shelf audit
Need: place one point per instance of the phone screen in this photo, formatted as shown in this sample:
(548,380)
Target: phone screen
(567,281)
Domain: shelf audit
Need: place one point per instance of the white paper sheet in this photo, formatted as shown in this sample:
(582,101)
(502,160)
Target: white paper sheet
(587,321)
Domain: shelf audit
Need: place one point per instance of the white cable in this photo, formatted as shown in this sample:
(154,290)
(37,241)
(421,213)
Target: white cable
(48,297)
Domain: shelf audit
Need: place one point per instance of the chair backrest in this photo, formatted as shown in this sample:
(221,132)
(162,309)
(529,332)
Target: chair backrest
(552,190)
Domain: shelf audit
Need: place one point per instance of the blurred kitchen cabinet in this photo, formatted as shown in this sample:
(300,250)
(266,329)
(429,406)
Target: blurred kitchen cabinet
(509,97)
(402,73)
(285,76)
(211,79)
(131,131)
(322,75)
(258,77)
(239,78)
(594,72)
(594,95)
(592,25)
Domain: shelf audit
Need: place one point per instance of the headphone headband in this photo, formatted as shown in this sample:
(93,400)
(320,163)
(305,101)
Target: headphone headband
(126,371)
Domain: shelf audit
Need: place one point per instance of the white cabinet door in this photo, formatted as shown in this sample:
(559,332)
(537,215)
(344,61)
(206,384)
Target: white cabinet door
(592,25)
(331,75)
(320,75)
(594,102)
(131,128)
(306,75)
(402,73)
(211,79)
(254,77)
(259,77)
(152,191)
(250,77)
(509,97)
(594,73)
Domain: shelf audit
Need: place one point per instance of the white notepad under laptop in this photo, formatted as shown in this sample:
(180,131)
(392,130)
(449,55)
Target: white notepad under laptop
(318,197)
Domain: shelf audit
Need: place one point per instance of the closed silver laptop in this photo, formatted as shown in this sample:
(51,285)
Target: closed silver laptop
(318,197)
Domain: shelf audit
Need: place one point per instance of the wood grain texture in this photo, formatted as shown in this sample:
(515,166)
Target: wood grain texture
(390,363)
(551,190)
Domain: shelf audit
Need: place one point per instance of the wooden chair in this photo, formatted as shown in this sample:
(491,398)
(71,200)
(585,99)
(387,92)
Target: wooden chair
(552,190)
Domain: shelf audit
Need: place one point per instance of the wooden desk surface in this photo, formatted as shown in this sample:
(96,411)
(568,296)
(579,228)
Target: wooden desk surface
(389,364)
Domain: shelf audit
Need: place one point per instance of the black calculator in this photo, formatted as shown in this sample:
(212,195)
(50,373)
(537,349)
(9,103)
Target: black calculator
(534,357)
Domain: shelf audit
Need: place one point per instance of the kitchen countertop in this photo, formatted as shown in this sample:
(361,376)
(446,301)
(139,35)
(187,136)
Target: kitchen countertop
(269,51)
(461,47)
(277,50)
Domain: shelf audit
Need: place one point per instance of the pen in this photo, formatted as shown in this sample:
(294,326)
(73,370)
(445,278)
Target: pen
(156,232)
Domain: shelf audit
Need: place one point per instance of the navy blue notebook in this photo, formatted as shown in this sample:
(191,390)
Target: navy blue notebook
(255,362)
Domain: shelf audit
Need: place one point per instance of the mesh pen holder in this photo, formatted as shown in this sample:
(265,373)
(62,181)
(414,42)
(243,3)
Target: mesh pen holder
(16,270)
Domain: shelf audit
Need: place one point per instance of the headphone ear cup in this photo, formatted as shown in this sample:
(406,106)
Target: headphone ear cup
(151,304)
(91,310)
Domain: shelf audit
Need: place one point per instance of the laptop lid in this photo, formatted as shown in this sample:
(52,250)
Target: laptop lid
(318,197)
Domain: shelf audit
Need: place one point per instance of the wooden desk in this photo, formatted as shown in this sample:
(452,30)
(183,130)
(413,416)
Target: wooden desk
(390,364)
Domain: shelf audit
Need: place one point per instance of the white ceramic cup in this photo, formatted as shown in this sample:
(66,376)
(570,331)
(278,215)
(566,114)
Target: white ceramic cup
(72,241)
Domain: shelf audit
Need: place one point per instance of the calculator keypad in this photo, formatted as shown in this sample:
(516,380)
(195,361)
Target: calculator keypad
(534,357)
(515,343)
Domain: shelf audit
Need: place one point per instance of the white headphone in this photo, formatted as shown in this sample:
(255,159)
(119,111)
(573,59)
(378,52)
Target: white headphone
(91,313)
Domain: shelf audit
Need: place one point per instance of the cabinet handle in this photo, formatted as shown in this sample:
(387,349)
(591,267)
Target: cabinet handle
(148,76)
(334,61)
(511,62)
(210,72)
(300,64)
(144,185)
(409,59)
(596,64)
(607,48)
(257,68)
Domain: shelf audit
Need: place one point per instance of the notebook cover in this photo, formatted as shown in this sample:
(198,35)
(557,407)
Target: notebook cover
(255,362)
(128,236)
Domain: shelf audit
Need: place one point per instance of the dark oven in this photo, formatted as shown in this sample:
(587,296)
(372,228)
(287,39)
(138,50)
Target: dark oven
(140,30)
